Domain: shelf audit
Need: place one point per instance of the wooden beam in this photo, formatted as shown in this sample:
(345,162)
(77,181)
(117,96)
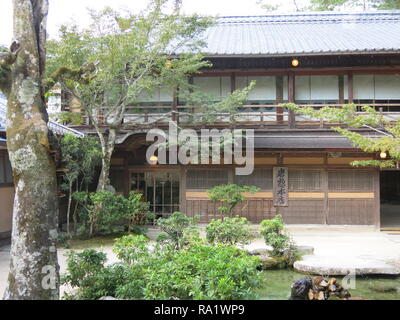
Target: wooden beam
(350,87)
(341,89)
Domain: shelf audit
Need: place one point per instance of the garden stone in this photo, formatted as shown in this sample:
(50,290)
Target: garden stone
(271,263)
(305,250)
(108,298)
(300,289)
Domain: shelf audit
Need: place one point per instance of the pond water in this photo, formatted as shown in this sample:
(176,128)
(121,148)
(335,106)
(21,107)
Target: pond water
(278,283)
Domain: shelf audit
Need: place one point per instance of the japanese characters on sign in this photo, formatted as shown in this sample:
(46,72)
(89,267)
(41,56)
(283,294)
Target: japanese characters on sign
(281,187)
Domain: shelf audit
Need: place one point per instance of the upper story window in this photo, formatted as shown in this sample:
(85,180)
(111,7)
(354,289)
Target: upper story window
(216,87)
(263,93)
(317,89)
(6,177)
(162,96)
(379,88)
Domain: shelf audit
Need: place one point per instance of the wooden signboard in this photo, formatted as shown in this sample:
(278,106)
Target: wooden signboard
(281,187)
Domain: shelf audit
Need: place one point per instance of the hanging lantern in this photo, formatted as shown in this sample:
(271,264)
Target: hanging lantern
(383,155)
(153,160)
(295,63)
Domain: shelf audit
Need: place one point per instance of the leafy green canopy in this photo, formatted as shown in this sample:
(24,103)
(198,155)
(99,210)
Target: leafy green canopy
(198,272)
(230,195)
(123,54)
(330,5)
(348,118)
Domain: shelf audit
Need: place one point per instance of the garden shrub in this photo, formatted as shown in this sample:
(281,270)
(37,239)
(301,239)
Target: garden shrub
(138,212)
(131,248)
(229,231)
(196,272)
(281,243)
(179,230)
(104,212)
(230,195)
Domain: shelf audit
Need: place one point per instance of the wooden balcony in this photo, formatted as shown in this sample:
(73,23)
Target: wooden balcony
(250,116)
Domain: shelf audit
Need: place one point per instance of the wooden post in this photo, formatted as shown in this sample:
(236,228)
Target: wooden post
(175,104)
(291,96)
(279,99)
(377,191)
(341,89)
(182,189)
(233,82)
(351,88)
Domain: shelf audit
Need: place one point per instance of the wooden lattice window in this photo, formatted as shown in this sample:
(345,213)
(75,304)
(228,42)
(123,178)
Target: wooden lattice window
(350,180)
(261,178)
(205,179)
(304,180)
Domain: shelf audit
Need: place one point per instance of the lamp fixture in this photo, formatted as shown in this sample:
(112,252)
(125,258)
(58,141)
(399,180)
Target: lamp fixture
(383,155)
(295,62)
(153,160)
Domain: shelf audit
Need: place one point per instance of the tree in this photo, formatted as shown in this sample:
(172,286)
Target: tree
(330,5)
(350,119)
(80,157)
(230,195)
(123,55)
(33,267)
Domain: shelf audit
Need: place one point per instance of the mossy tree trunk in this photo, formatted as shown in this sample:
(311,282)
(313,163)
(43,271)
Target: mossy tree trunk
(33,267)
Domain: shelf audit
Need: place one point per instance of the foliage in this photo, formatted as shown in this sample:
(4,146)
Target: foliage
(195,272)
(230,195)
(138,213)
(330,5)
(68,118)
(131,248)
(178,228)
(80,157)
(124,55)
(229,231)
(369,118)
(104,212)
(86,270)
(281,243)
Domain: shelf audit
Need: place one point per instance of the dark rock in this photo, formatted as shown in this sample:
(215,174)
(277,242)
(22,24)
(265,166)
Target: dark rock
(300,289)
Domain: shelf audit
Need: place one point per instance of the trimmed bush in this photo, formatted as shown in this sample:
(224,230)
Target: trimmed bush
(229,231)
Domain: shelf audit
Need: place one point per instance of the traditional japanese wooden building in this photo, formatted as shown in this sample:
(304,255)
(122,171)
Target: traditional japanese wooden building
(324,59)
(309,59)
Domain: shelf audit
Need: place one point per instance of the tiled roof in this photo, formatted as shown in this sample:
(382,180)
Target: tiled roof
(53,126)
(305,34)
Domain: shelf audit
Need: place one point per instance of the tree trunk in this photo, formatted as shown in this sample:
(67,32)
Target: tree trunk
(33,268)
(107,147)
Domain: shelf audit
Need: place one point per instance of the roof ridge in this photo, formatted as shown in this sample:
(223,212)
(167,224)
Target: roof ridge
(381,15)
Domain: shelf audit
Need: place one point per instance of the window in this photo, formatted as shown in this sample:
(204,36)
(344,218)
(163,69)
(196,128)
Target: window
(6,177)
(217,87)
(317,89)
(304,180)
(350,180)
(206,179)
(261,178)
(263,93)
(162,96)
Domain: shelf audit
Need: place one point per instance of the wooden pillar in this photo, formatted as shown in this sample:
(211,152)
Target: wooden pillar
(291,96)
(127,177)
(175,104)
(377,191)
(279,98)
(351,88)
(233,82)
(182,189)
(341,89)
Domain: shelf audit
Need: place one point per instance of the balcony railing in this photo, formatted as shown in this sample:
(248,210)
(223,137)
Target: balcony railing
(249,115)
